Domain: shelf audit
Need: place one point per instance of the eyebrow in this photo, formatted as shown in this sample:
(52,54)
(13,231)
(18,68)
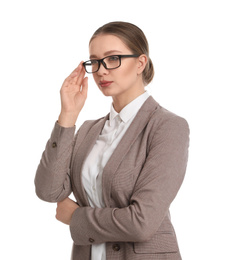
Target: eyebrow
(106,53)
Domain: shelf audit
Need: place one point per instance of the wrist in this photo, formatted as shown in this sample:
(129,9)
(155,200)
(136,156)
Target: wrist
(67,119)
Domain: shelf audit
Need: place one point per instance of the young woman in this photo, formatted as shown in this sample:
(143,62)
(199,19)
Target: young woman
(124,169)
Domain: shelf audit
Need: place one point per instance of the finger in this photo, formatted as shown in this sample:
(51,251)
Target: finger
(77,68)
(80,76)
(76,75)
(72,78)
(76,71)
(84,87)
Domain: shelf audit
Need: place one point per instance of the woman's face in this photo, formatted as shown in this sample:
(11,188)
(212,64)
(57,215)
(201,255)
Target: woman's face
(125,80)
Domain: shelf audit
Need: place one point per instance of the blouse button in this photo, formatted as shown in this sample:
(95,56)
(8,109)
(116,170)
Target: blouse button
(116,247)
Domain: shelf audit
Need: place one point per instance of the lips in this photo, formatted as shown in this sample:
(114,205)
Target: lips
(105,83)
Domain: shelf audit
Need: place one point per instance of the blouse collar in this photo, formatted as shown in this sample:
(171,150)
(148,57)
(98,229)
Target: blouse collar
(129,110)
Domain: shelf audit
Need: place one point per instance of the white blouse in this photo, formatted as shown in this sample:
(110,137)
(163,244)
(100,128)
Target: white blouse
(112,132)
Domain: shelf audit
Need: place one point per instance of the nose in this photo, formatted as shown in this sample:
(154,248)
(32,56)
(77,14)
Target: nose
(102,70)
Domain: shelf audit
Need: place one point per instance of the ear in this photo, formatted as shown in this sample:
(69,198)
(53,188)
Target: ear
(142,62)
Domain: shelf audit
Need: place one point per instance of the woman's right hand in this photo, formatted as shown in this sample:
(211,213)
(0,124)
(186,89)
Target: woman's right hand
(73,96)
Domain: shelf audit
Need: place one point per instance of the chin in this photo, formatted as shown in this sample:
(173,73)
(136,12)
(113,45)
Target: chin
(107,92)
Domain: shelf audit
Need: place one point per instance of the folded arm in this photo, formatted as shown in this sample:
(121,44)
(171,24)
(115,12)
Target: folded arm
(155,189)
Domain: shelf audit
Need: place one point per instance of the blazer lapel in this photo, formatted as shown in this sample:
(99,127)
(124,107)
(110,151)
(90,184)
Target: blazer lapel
(86,142)
(85,145)
(137,125)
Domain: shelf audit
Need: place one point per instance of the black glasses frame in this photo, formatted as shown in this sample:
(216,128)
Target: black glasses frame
(101,61)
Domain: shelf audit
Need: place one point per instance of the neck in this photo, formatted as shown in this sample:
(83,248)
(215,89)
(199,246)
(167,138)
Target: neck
(119,102)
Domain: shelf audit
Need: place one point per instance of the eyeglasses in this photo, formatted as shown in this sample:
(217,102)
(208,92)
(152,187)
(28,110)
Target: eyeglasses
(109,63)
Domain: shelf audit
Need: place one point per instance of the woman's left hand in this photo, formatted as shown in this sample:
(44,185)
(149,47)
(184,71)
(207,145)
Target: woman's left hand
(65,210)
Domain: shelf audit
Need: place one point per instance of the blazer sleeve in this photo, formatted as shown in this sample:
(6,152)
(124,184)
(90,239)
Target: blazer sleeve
(52,181)
(155,189)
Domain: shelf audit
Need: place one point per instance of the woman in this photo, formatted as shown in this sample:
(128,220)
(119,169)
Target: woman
(124,169)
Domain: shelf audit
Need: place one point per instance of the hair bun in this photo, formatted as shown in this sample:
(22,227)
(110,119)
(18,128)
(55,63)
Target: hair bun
(148,72)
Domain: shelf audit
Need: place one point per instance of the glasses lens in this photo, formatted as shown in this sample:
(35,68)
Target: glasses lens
(112,62)
(92,66)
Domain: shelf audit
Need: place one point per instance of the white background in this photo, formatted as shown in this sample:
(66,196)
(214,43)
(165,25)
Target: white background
(42,42)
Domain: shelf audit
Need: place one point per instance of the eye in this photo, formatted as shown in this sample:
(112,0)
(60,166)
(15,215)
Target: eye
(92,62)
(113,58)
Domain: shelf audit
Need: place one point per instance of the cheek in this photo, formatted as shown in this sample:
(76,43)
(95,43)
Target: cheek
(96,78)
(129,72)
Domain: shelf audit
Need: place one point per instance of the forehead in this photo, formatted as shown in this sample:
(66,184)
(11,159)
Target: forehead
(103,45)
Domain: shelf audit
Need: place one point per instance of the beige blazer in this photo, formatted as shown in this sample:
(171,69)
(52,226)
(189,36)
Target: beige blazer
(140,180)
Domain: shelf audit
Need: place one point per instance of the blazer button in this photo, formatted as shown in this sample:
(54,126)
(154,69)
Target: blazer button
(91,240)
(54,144)
(116,247)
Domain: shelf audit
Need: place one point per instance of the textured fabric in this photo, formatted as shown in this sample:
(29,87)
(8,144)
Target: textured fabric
(140,180)
(93,166)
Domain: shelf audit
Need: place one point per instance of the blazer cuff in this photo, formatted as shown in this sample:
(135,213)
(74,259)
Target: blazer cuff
(61,138)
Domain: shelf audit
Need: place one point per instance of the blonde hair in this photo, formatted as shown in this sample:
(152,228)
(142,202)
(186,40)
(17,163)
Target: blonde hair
(135,40)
